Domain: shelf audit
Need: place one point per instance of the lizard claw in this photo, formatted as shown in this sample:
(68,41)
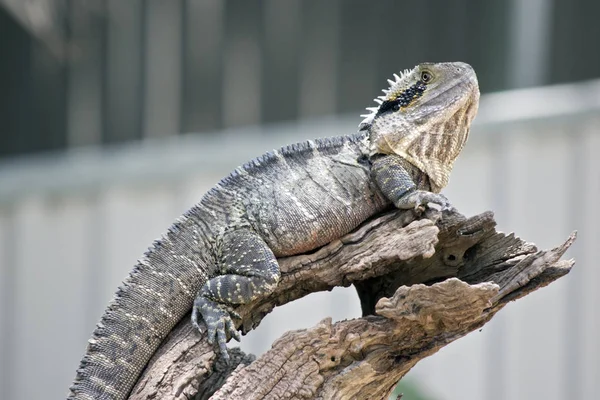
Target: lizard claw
(219,323)
(419,209)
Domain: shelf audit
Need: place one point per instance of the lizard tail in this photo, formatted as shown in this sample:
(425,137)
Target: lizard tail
(158,292)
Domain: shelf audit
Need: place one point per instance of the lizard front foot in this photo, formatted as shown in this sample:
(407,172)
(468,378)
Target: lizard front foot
(219,324)
(419,199)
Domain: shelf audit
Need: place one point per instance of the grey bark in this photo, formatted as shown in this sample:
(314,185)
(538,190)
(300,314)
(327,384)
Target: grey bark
(424,281)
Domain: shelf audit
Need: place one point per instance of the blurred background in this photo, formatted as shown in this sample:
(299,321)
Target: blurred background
(116,116)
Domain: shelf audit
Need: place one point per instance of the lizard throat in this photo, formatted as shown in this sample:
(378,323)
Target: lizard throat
(433,148)
(435,151)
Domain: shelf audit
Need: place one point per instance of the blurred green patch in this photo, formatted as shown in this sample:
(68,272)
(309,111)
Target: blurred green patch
(409,390)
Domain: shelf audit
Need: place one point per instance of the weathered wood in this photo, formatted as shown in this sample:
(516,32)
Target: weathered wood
(395,261)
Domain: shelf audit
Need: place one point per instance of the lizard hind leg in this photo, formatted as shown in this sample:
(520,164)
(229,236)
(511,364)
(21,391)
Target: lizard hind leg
(249,269)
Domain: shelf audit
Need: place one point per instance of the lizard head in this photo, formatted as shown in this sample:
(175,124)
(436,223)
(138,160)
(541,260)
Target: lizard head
(425,116)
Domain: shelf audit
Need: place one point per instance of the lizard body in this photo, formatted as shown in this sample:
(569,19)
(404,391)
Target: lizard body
(222,252)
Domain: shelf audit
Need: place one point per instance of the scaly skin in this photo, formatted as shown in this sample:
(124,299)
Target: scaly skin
(223,251)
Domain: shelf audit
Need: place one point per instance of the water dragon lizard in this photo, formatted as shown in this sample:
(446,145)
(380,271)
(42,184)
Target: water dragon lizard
(222,252)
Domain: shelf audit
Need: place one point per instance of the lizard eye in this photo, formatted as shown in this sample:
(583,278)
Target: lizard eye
(426,76)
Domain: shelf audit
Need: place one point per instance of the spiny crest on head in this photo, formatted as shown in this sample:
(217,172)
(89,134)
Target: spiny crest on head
(397,86)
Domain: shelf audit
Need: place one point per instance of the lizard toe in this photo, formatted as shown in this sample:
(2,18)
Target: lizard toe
(195,313)
(232,331)
(222,341)
(235,315)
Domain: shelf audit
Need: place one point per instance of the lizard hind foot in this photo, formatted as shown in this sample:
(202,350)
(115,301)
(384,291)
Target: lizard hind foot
(219,323)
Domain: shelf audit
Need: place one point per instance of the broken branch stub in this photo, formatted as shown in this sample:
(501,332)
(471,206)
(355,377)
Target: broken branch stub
(423,283)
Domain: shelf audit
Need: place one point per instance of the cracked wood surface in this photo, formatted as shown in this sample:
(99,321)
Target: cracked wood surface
(423,283)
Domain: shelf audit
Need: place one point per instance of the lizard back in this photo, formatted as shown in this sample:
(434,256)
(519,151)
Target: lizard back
(303,196)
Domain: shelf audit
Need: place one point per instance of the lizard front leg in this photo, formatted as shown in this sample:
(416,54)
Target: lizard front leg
(249,270)
(396,183)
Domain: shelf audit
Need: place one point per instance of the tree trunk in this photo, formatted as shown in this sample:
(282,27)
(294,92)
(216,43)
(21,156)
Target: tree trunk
(424,281)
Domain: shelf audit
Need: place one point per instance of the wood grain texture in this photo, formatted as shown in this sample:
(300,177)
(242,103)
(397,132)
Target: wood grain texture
(424,281)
